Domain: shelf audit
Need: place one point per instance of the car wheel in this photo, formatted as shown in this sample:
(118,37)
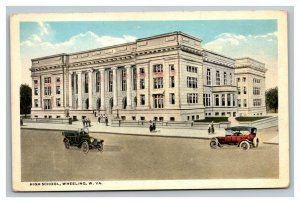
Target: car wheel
(67,144)
(255,142)
(245,145)
(213,144)
(85,147)
(100,148)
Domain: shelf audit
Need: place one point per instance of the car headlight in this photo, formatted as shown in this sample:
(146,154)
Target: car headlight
(92,139)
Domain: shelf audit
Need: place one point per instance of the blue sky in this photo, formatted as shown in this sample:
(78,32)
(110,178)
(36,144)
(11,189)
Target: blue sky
(235,38)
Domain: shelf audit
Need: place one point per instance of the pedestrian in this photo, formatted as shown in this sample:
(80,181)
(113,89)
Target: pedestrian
(83,122)
(106,121)
(150,126)
(89,122)
(209,128)
(212,127)
(153,126)
(99,119)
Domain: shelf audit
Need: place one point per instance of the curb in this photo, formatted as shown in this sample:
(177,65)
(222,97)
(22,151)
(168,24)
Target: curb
(127,134)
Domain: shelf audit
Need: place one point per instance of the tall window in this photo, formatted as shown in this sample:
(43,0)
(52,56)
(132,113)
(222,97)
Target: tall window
(256,90)
(47,80)
(208,77)
(142,84)
(244,79)
(256,102)
(86,83)
(230,78)
(206,99)
(47,90)
(192,98)
(172,98)
(110,81)
(225,78)
(158,68)
(98,81)
(233,100)
(192,82)
(191,69)
(245,90)
(172,67)
(134,77)
(172,81)
(142,99)
(158,101)
(158,83)
(238,80)
(223,99)
(217,100)
(245,102)
(36,92)
(58,102)
(76,83)
(228,99)
(142,70)
(217,77)
(239,90)
(35,82)
(124,80)
(47,104)
(57,89)
(36,103)
(239,102)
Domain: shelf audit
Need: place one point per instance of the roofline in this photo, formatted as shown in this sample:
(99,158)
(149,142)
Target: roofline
(250,59)
(49,56)
(169,34)
(219,54)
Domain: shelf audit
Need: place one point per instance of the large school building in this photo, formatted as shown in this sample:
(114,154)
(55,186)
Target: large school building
(167,77)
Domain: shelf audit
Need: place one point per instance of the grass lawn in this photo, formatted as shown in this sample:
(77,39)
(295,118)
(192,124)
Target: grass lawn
(214,119)
(241,119)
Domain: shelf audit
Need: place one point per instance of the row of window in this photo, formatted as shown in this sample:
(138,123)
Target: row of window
(239,79)
(244,90)
(192,82)
(226,81)
(223,100)
(256,91)
(191,69)
(47,103)
(256,102)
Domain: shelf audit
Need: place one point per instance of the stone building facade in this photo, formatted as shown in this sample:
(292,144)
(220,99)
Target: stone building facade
(164,77)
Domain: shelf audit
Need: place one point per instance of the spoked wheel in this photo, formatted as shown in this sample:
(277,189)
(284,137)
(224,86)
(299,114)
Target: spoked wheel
(245,145)
(213,144)
(67,144)
(100,148)
(85,147)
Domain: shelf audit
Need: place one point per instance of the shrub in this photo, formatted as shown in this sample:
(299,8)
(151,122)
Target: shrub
(214,119)
(241,119)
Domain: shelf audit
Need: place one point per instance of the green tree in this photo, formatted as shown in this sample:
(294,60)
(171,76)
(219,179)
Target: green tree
(25,99)
(272,98)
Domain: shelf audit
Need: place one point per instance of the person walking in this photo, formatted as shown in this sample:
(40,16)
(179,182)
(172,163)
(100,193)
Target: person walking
(99,119)
(150,126)
(106,121)
(212,127)
(209,128)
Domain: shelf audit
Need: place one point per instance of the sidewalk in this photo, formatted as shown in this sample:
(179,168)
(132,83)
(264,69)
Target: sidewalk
(137,131)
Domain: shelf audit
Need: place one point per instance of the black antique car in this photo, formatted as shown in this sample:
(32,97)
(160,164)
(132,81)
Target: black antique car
(81,139)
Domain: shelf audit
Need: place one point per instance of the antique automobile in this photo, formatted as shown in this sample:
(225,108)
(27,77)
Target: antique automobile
(81,139)
(241,136)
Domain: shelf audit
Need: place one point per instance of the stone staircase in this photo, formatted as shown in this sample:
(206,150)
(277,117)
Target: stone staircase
(233,121)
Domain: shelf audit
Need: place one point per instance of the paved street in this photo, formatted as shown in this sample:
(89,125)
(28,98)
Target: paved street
(127,157)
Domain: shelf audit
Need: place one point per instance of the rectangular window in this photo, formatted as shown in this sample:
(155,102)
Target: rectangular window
(239,102)
(206,99)
(208,77)
(58,102)
(230,78)
(256,102)
(223,99)
(36,92)
(233,100)
(142,70)
(239,90)
(158,68)
(47,91)
(57,79)
(35,82)
(244,79)
(217,100)
(86,83)
(245,90)
(158,83)
(134,77)
(47,104)
(171,67)
(172,81)
(228,99)
(238,80)
(36,103)
(110,81)
(57,89)
(142,84)
(76,84)
(245,102)
(192,82)
(256,90)
(142,99)
(47,80)
(98,81)
(172,118)
(192,98)
(158,101)
(217,77)
(191,69)
(225,78)
(124,80)
(172,98)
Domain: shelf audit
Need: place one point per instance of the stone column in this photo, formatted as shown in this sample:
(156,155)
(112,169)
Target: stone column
(231,99)
(53,92)
(115,93)
(79,82)
(129,86)
(102,89)
(226,100)
(90,74)
(70,90)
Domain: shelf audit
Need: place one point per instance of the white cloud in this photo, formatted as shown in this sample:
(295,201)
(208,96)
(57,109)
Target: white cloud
(260,47)
(37,45)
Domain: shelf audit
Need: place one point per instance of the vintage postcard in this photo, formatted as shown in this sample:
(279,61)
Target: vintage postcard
(149,100)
